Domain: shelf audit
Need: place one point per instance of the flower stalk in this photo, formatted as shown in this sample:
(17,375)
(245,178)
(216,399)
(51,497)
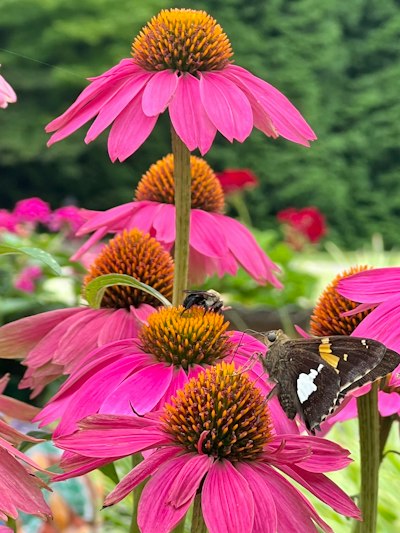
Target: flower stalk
(183,190)
(198,524)
(368,422)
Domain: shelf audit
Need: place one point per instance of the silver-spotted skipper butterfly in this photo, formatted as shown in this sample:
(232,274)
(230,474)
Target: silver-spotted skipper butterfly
(209,300)
(312,376)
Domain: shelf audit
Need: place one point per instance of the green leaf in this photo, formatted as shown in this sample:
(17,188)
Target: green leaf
(110,472)
(35,253)
(95,289)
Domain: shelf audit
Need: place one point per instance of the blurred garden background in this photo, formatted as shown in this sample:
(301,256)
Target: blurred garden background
(338,62)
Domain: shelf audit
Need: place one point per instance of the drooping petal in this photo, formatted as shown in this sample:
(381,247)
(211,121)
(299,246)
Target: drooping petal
(203,230)
(178,381)
(247,252)
(293,514)
(75,465)
(107,218)
(93,239)
(13,345)
(226,106)
(188,480)
(286,119)
(164,223)
(188,115)
(155,514)
(371,286)
(140,392)
(158,92)
(388,403)
(117,104)
(19,490)
(121,324)
(17,409)
(227,501)
(324,489)
(140,473)
(265,517)
(129,131)
(117,436)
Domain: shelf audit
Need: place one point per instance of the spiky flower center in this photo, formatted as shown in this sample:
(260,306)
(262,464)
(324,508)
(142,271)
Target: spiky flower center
(157,185)
(326,318)
(182,39)
(220,413)
(136,254)
(186,337)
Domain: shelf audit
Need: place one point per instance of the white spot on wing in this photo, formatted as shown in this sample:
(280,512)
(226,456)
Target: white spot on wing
(306,385)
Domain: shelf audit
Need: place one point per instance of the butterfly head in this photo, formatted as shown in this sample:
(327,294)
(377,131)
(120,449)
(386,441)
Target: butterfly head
(274,336)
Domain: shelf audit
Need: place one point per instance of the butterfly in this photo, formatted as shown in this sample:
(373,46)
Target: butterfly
(312,376)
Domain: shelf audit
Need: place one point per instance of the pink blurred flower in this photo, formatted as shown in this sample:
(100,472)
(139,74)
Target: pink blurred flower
(195,449)
(125,374)
(66,218)
(7,94)
(55,342)
(8,221)
(234,180)
(303,225)
(32,210)
(218,244)
(202,90)
(19,486)
(25,281)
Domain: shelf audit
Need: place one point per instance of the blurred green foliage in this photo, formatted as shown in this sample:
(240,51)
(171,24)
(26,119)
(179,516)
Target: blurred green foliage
(337,61)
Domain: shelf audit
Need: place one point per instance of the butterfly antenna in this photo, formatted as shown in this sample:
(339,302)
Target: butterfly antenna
(247,330)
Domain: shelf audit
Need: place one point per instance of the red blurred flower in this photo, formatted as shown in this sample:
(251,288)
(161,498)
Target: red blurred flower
(306,224)
(233,180)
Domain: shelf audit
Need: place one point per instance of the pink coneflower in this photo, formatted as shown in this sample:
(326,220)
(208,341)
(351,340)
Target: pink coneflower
(67,218)
(234,180)
(19,486)
(218,244)
(32,210)
(181,60)
(143,373)
(54,343)
(306,225)
(338,314)
(216,437)
(7,94)
(25,281)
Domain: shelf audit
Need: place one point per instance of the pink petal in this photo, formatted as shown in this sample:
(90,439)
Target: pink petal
(17,409)
(13,345)
(140,392)
(158,92)
(141,313)
(164,223)
(113,437)
(14,436)
(293,514)
(178,381)
(285,118)
(188,480)
(265,518)
(371,286)
(227,501)
(155,513)
(247,252)
(205,236)
(107,218)
(19,490)
(382,324)
(188,116)
(143,216)
(324,489)
(226,106)
(121,324)
(145,469)
(77,465)
(129,131)
(389,404)
(94,239)
(117,104)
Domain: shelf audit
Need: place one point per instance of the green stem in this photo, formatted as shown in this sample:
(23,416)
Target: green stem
(136,493)
(12,524)
(198,524)
(237,200)
(386,423)
(183,202)
(180,528)
(368,422)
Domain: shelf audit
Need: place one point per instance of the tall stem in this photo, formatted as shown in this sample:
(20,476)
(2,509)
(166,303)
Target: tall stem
(198,525)
(386,423)
(136,493)
(368,422)
(183,197)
